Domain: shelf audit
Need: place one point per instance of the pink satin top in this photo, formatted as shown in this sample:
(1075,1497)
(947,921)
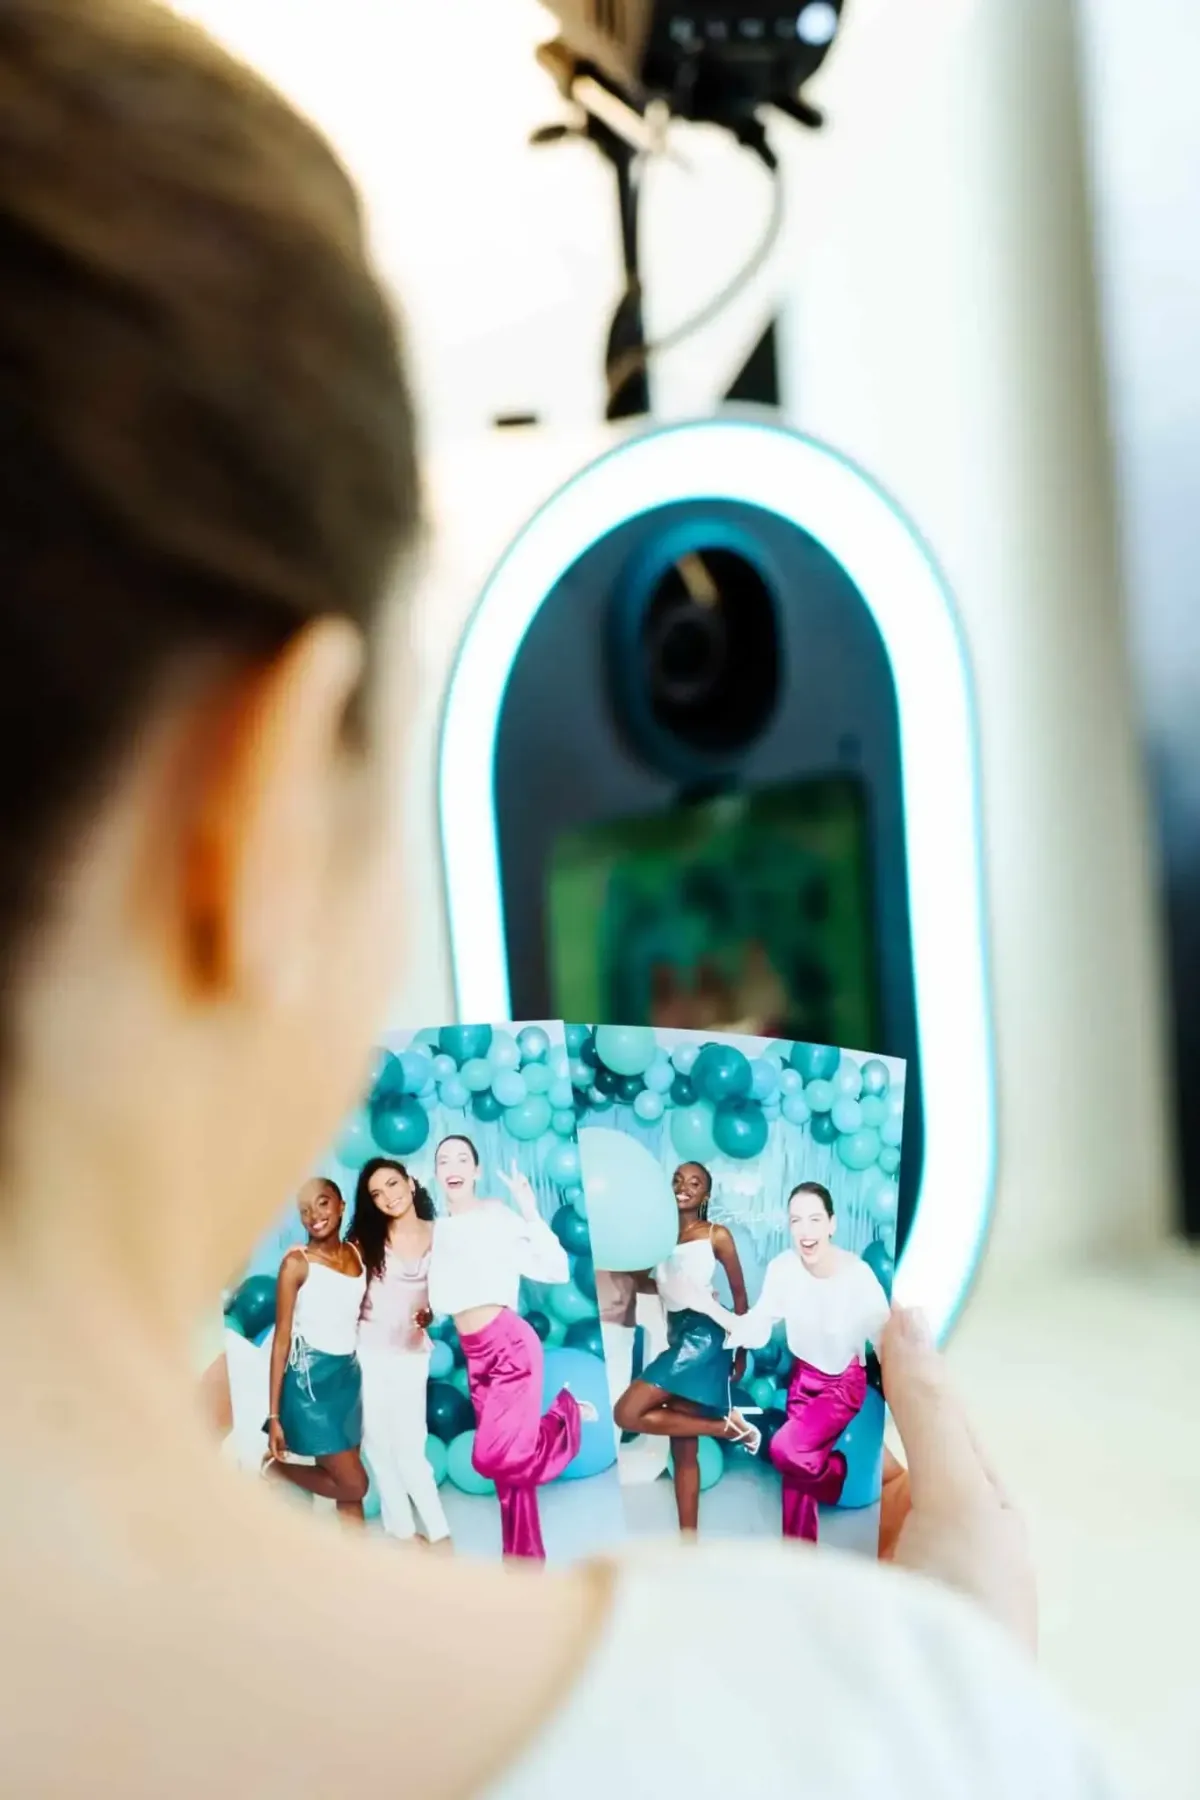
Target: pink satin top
(387,1318)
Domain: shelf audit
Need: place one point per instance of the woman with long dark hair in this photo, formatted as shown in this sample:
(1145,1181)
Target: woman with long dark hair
(685,1393)
(481,1250)
(392,1229)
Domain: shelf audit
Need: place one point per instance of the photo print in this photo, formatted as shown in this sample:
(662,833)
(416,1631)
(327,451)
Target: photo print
(417,1345)
(742,1198)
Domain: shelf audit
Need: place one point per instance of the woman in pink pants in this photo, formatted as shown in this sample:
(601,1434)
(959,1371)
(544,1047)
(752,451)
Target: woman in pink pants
(832,1306)
(481,1249)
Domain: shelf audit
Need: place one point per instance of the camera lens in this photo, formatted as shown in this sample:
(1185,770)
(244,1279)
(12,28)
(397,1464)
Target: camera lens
(709,651)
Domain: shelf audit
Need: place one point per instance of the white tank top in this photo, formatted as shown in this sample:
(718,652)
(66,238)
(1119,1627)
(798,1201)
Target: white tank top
(327,1308)
(689,1266)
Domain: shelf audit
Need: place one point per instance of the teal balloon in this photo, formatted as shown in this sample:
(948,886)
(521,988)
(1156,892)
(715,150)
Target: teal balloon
(465,1042)
(815,1062)
(823,1128)
(571,1230)
(355,1146)
(795,1109)
(598,1100)
(683,1092)
(585,1334)
(859,1149)
(253,1305)
(568,1305)
(528,1120)
(790,1082)
(460,1468)
(762,1392)
(560,1093)
(540,1322)
(820,1095)
(583,1274)
(649,1106)
(416,1069)
(862,1446)
(476,1074)
(847,1083)
(399,1126)
(660,1075)
(461,1382)
(721,1072)
(537,1078)
(388,1077)
(447,1410)
(889,1159)
(891,1133)
(575,1037)
(576,1196)
(563,1166)
(485,1106)
(692,1136)
(875,1077)
(874,1110)
(562,1121)
(847,1115)
(441,1361)
(764,1078)
(881,1263)
(626,1049)
(509,1087)
(740,1129)
(630,1207)
(372,1505)
(454,1095)
(534,1044)
(887,1200)
(584,1376)
(503,1052)
(712,1463)
(580,1074)
(435,1456)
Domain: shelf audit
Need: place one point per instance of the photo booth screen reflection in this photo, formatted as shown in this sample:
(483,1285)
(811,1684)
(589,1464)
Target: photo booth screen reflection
(707,760)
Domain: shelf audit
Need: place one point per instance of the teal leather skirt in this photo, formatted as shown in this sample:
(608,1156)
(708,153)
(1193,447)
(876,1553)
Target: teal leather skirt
(695,1366)
(320,1402)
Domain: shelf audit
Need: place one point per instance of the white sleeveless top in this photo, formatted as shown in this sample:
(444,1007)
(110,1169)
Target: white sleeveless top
(690,1266)
(327,1308)
(840,1679)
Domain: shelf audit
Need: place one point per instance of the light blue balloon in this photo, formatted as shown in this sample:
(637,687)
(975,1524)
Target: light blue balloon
(462,1470)
(847,1115)
(454,1094)
(887,1199)
(441,1361)
(712,1463)
(847,1083)
(692,1136)
(427,1039)
(876,1077)
(562,1121)
(684,1056)
(560,1093)
(581,1074)
(534,1044)
(795,1109)
(889,1159)
(870,1187)
(895,1103)
(537,1077)
(790,1082)
(575,1196)
(584,1376)
(560,1064)
(771,1107)
(429,1091)
(649,1106)
(563,1169)
(626,1049)
(355,1146)
(528,1119)
(476,1075)
(503,1053)
(891,1133)
(435,1456)
(598,1100)
(508,1085)
(660,1074)
(630,1207)
(820,1095)
(859,1149)
(415,1070)
(874,1110)
(444,1067)
(764,1078)
(568,1305)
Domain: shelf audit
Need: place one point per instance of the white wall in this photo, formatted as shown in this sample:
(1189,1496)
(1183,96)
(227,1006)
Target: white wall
(940,331)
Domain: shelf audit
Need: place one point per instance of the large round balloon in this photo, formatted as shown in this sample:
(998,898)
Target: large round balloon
(571,1230)
(560,1093)
(486,1107)
(764,1078)
(630,1206)
(562,1122)
(692,1132)
(873,1110)
(847,1115)
(540,1322)
(889,1159)
(862,1446)
(508,1085)
(585,1334)
(476,1074)
(820,1095)
(460,1466)
(607,1083)
(648,1105)
(463,1042)
(454,1095)
(254,1305)
(891,1132)
(575,1037)
(399,1124)
(823,1128)
(712,1462)
(416,1070)
(815,1062)
(626,1049)
(795,1109)
(441,1361)
(682,1091)
(585,1377)
(762,1392)
(875,1077)
(567,1304)
(448,1412)
(660,1075)
(740,1128)
(879,1260)
(503,1052)
(534,1044)
(562,1165)
(721,1072)
(355,1146)
(684,1056)
(859,1149)
(537,1078)
(847,1083)
(435,1456)
(529,1119)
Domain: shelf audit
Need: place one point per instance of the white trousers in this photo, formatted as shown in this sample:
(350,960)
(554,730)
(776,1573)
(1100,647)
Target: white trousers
(395,1385)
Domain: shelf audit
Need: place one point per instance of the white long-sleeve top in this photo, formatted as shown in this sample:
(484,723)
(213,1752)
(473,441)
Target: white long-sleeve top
(479,1257)
(829,1319)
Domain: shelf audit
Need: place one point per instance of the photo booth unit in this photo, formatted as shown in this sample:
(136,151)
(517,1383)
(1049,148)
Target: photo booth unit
(694,699)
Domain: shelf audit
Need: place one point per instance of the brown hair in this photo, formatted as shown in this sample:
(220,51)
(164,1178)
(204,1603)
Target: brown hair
(206,438)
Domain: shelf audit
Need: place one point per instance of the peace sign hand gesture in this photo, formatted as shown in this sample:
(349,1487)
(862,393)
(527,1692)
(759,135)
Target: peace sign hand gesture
(523,1195)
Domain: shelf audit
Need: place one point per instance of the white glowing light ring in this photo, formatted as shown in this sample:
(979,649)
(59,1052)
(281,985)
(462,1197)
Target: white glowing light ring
(763,465)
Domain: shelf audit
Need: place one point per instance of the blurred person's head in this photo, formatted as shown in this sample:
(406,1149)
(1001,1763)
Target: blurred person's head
(208,485)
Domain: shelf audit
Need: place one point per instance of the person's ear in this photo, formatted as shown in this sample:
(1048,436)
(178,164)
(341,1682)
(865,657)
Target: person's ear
(263,838)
